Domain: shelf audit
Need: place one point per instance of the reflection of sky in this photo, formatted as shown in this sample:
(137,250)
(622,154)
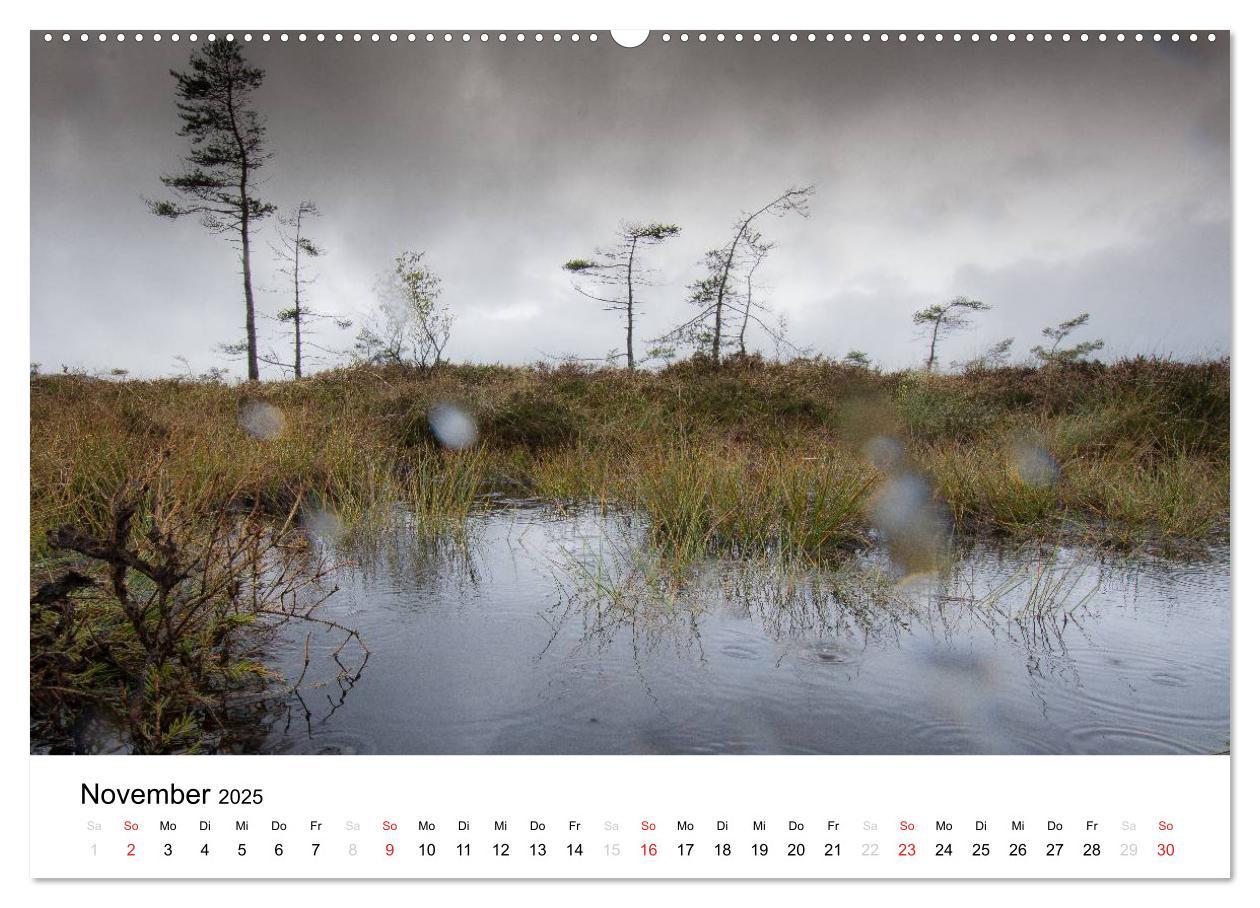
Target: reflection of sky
(517,646)
(1043,179)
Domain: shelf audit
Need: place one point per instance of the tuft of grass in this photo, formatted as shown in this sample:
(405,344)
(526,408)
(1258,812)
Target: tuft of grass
(1163,502)
(442,490)
(984,492)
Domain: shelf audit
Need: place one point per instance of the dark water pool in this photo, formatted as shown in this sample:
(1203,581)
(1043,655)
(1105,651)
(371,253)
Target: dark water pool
(558,633)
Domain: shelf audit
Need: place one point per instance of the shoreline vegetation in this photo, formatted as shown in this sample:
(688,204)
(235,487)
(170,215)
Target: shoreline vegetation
(166,515)
(722,460)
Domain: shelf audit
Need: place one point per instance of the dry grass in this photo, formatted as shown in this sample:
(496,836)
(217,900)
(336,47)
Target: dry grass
(744,457)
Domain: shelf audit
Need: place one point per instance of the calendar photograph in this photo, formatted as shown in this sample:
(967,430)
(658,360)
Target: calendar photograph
(558,393)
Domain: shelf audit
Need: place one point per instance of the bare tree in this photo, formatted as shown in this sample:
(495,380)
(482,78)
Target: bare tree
(712,292)
(294,250)
(757,252)
(295,245)
(794,199)
(226,151)
(616,269)
(409,325)
(1058,333)
(993,357)
(944,318)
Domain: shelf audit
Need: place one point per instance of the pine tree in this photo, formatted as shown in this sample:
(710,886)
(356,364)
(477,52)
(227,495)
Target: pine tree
(227,148)
(617,270)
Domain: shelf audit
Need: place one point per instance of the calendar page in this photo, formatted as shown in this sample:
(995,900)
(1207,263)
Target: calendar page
(707,453)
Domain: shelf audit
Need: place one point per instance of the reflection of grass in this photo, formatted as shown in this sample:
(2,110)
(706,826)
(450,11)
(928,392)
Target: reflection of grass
(1036,600)
(1040,586)
(747,459)
(624,583)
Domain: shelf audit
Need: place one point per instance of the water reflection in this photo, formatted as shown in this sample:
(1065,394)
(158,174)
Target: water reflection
(296,706)
(553,632)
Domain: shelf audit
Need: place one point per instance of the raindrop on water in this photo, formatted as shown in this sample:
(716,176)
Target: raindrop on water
(322,522)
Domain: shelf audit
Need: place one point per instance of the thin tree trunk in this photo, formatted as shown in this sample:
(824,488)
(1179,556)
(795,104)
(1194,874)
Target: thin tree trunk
(726,272)
(743,329)
(721,294)
(251,336)
(297,297)
(936,326)
(630,306)
(297,346)
(437,348)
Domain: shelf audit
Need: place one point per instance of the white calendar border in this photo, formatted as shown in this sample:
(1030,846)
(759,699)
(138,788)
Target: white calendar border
(1075,14)
(883,816)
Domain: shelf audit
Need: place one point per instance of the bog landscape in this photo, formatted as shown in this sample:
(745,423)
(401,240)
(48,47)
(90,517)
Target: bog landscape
(711,539)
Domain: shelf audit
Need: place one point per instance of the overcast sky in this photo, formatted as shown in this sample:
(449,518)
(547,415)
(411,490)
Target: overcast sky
(1043,179)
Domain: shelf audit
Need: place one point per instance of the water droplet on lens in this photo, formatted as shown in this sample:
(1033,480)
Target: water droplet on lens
(321,521)
(1034,465)
(260,419)
(452,426)
(884,452)
(911,521)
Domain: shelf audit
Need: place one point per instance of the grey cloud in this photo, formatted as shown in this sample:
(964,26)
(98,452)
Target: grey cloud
(1026,175)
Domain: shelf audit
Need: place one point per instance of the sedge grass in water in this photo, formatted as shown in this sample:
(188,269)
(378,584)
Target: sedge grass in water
(571,630)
